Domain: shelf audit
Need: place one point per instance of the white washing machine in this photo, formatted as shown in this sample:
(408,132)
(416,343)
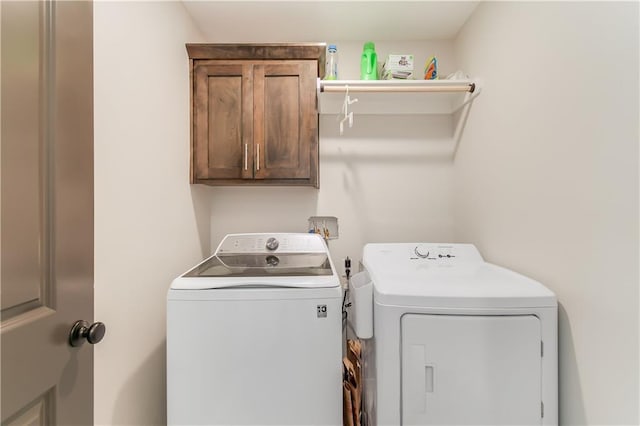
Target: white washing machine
(456,340)
(254,335)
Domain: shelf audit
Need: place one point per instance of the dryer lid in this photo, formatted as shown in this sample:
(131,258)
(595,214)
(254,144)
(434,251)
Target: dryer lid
(450,276)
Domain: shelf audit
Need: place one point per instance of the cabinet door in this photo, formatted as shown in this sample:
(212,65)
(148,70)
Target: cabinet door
(223,120)
(285,126)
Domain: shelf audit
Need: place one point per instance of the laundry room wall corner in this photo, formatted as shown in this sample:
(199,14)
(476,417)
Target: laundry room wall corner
(148,222)
(547,182)
(201,196)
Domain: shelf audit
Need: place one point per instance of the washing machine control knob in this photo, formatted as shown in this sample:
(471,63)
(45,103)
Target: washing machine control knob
(272,260)
(422,251)
(272,244)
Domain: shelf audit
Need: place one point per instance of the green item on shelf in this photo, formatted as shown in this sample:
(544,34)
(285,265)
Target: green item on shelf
(369,62)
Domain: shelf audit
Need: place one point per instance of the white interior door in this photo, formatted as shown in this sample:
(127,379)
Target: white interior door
(46,211)
(471,370)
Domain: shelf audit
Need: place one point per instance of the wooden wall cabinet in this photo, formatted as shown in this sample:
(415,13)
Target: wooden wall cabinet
(254,115)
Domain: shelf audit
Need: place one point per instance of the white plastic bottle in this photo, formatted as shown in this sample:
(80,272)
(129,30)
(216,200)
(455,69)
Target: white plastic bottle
(331,70)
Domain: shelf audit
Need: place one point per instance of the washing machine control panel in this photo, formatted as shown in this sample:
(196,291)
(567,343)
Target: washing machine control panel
(443,252)
(271,243)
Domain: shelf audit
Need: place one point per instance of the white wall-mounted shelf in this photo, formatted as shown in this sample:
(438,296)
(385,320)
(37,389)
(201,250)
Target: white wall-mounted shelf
(396,96)
(347,98)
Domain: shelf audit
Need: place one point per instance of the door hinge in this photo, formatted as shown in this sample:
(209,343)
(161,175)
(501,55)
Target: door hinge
(541,348)
(542,409)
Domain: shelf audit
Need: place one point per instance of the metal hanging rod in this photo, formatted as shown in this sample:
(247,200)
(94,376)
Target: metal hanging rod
(358,86)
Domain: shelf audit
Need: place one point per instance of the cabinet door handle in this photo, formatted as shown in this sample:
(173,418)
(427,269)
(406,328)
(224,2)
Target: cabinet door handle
(246,147)
(258,163)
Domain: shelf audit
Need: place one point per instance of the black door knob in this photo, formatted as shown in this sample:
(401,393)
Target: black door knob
(81,330)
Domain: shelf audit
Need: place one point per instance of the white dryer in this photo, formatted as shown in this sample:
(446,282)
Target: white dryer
(456,340)
(254,335)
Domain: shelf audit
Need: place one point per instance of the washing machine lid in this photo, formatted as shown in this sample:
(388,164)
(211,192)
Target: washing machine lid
(264,260)
(447,276)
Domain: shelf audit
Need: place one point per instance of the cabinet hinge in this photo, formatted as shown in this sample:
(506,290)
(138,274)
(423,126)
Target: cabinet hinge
(542,409)
(541,348)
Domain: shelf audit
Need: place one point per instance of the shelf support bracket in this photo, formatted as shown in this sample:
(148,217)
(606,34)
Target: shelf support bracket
(464,108)
(469,97)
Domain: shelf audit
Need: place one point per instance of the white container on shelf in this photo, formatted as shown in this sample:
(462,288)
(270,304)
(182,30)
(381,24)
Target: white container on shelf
(332,63)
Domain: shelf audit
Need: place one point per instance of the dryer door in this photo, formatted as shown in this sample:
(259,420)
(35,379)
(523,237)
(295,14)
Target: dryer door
(471,370)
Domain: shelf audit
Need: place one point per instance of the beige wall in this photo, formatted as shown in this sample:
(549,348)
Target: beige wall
(150,225)
(388,178)
(381,188)
(546,181)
